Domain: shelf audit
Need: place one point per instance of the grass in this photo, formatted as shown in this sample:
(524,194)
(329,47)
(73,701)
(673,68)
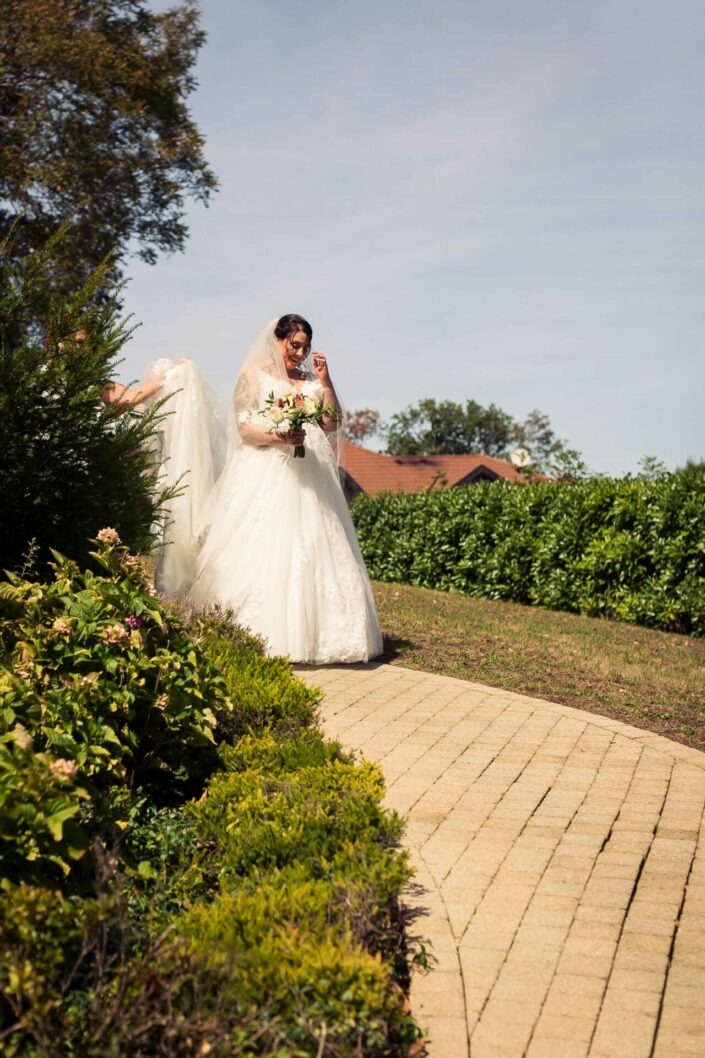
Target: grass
(651,679)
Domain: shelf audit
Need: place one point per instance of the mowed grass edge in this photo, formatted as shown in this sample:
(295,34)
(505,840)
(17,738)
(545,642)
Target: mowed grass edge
(651,679)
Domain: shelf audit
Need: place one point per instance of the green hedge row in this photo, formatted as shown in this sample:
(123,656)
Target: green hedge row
(630,549)
(187,867)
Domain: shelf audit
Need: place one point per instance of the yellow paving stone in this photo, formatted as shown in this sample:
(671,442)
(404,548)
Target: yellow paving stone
(535,820)
(551,918)
(539,1048)
(621,1003)
(647,925)
(590,947)
(498,1038)
(599,913)
(688,1022)
(644,942)
(553,936)
(447,1037)
(487,939)
(478,970)
(577,984)
(516,985)
(564,1027)
(690,957)
(669,1046)
(448,1004)
(652,962)
(684,995)
(630,1037)
(578,1004)
(510,1012)
(595,930)
(585,965)
(637,980)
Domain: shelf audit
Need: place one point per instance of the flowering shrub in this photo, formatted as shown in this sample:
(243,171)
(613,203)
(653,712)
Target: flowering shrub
(100,690)
(187,868)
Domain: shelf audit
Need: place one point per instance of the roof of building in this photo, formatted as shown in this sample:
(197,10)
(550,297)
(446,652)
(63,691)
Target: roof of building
(374,472)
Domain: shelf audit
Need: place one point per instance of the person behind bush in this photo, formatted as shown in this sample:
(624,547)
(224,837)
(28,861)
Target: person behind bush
(122,397)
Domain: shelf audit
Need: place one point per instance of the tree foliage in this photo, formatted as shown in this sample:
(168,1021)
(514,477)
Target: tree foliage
(446,427)
(68,466)
(537,435)
(95,128)
(362,423)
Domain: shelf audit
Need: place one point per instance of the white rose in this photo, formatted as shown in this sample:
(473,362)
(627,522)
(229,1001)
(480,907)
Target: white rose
(310,406)
(284,427)
(276,414)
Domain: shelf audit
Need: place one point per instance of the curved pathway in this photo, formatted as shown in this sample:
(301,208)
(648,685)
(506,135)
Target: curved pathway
(560,858)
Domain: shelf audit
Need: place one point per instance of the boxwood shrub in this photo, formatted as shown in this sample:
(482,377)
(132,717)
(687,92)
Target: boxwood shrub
(187,866)
(630,549)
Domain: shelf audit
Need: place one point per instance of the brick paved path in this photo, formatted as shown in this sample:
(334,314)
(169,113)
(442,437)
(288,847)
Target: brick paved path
(562,860)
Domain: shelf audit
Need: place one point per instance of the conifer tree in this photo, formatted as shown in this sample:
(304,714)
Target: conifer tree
(69,465)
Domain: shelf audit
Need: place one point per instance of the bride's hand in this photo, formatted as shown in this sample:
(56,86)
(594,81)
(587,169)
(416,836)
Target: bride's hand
(320,367)
(293,437)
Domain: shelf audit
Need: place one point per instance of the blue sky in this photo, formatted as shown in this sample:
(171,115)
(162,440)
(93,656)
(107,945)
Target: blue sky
(496,200)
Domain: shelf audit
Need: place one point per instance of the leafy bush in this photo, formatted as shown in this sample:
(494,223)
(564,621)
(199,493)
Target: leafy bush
(100,692)
(187,866)
(630,549)
(249,676)
(67,465)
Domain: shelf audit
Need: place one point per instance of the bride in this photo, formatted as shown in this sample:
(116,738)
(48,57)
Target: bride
(280,547)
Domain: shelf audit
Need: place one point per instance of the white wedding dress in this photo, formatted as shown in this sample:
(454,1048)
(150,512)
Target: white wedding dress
(279,547)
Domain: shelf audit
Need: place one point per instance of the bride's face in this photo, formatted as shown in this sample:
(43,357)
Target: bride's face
(294,350)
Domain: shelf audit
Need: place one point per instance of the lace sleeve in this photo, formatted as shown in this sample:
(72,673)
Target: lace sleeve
(246,425)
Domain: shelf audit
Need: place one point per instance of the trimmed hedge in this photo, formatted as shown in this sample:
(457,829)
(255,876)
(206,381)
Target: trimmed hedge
(187,867)
(629,549)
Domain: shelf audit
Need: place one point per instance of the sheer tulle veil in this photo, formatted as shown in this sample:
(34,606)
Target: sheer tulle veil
(192,444)
(197,448)
(263,355)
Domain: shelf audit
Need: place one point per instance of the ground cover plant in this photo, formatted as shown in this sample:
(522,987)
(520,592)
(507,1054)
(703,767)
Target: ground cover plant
(630,549)
(188,868)
(645,677)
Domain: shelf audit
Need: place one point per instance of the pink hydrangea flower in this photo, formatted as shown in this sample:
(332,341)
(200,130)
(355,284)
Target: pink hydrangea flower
(114,633)
(108,536)
(62,768)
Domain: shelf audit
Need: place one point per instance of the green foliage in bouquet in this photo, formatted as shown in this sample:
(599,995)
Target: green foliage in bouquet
(68,464)
(187,867)
(631,549)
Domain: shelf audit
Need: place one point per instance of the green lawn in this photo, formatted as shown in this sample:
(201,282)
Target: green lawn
(651,679)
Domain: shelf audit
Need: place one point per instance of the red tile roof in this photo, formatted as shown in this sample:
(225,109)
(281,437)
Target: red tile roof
(374,472)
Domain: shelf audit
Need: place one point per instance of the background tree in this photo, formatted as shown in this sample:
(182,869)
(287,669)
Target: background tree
(444,427)
(536,434)
(68,465)
(362,423)
(95,128)
(433,427)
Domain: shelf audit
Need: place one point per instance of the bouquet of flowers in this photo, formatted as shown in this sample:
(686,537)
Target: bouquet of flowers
(291,411)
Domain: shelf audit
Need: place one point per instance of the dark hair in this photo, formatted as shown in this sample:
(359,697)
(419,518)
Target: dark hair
(292,324)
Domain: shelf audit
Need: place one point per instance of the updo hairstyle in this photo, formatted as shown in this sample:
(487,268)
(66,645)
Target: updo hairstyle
(288,326)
